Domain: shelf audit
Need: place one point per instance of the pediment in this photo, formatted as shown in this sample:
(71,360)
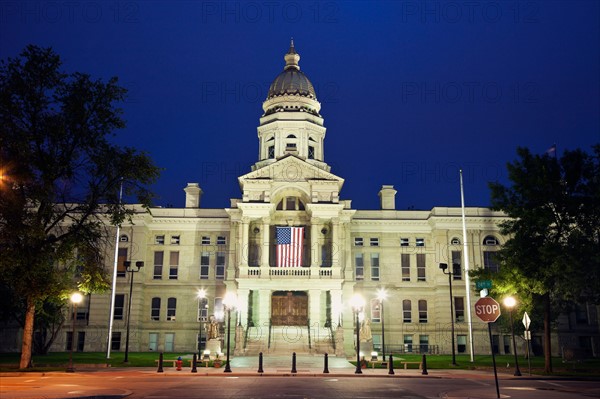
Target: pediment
(290,176)
(290,169)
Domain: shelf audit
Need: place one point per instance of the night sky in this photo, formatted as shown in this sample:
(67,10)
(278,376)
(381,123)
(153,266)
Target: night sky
(411,91)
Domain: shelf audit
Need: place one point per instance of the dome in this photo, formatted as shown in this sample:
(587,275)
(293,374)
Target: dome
(292,81)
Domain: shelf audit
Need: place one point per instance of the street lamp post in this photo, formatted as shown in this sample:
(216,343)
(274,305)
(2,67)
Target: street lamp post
(201,298)
(381,295)
(444,267)
(76,298)
(358,303)
(129,268)
(510,303)
(229,302)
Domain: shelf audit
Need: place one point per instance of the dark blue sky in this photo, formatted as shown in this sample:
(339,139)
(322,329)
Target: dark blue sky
(411,91)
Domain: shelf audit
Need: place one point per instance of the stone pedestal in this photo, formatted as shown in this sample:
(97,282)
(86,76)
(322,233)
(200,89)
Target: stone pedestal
(214,345)
(239,341)
(339,342)
(366,347)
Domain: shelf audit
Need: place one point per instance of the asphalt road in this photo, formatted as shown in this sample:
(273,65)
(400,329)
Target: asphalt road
(171,384)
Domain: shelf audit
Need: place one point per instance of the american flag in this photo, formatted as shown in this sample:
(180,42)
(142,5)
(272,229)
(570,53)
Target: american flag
(289,246)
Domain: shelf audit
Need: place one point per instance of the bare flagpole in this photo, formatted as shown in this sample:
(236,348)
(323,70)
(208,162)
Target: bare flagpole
(467,278)
(114,283)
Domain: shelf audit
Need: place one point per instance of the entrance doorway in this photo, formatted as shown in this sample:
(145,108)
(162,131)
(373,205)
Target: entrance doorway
(289,308)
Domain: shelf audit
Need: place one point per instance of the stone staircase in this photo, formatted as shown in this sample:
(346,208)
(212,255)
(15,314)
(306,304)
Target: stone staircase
(286,340)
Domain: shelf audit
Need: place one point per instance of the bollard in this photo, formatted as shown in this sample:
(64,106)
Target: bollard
(160,363)
(194,360)
(326,367)
(294,363)
(391,366)
(424,366)
(260,363)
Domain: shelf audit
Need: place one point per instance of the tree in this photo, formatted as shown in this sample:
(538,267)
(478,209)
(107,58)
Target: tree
(552,257)
(60,180)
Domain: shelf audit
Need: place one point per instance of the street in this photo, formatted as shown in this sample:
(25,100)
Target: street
(144,383)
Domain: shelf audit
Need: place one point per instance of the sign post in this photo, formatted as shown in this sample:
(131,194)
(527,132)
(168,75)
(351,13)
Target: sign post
(527,323)
(488,310)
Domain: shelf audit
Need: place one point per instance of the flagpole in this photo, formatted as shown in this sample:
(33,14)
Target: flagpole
(114,283)
(466,256)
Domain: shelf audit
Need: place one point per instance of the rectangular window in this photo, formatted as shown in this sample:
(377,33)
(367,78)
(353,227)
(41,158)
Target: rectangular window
(489,261)
(204,265)
(461,343)
(311,152)
(456,262)
(202,309)
(69,340)
(374,242)
(80,341)
(121,270)
(421,267)
(404,242)
(169,342)
(83,309)
(406,311)
(459,308)
(506,340)
(174,240)
(155,310)
(219,311)
(171,309)
(581,313)
(325,255)
(358,241)
(359,267)
(271,152)
(220,267)
(119,306)
(375,267)
(422,311)
(408,343)
(420,242)
(153,342)
(424,343)
(375,310)
(173,265)
(115,341)
(158,264)
(221,240)
(159,240)
(405,263)
(205,240)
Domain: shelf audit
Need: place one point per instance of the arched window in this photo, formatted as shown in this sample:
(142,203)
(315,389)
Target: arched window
(291,136)
(455,241)
(124,238)
(290,204)
(490,241)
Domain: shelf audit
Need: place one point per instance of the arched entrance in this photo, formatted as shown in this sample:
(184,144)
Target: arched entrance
(289,308)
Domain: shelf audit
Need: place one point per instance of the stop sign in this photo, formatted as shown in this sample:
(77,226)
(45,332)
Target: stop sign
(487,309)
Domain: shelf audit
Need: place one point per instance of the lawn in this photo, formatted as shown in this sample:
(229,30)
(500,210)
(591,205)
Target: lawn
(59,360)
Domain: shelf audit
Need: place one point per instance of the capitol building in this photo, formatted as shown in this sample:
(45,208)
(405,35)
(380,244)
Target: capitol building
(294,252)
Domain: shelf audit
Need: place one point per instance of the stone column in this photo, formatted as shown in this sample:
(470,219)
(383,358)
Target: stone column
(336,307)
(244,225)
(314,308)
(315,242)
(264,311)
(242,295)
(264,256)
(336,245)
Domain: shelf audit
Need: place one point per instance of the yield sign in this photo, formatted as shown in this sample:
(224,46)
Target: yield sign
(526,321)
(487,309)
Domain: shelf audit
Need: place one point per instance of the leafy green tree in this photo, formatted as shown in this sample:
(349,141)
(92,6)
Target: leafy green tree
(60,180)
(551,259)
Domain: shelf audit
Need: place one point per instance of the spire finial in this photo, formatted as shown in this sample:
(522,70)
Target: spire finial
(292,57)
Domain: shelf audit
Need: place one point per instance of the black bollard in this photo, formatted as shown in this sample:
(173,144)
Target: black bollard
(194,360)
(294,363)
(260,363)
(326,367)
(391,366)
(160,363)
(424,372)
